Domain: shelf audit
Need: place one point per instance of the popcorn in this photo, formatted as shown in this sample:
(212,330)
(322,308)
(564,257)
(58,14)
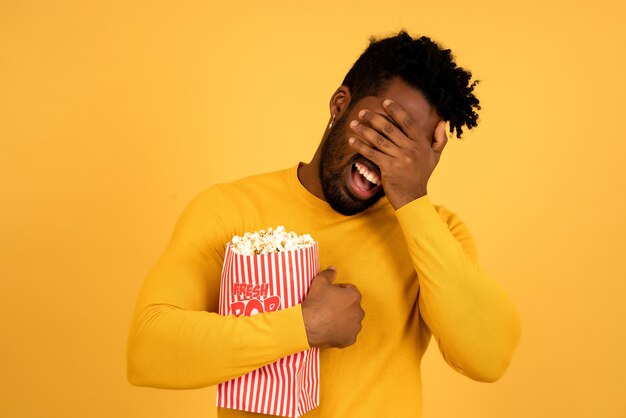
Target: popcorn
(263,272)
(270,241)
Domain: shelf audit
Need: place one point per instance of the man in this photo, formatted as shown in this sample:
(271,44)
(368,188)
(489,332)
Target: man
(403,268)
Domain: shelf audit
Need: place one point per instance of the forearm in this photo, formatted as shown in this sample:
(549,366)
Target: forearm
(177,340)
(174,348)
(473,320)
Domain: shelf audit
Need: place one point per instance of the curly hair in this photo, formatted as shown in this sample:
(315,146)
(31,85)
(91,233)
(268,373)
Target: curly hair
(422,64)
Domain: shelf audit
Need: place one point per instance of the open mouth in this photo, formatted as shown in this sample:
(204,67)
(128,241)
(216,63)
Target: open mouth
(365,179)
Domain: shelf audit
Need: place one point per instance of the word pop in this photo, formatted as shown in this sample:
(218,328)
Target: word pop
(253,299)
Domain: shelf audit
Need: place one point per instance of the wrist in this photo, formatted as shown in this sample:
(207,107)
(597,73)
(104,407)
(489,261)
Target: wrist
(398,203)
(310,326)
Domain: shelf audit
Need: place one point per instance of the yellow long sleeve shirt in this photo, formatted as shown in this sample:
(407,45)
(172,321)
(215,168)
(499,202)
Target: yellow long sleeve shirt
(416,268)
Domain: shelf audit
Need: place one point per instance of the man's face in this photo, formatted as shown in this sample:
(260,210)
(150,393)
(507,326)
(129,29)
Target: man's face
(337,173)
(341,168)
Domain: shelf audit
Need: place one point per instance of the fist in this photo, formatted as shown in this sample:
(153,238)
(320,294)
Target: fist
(332,313)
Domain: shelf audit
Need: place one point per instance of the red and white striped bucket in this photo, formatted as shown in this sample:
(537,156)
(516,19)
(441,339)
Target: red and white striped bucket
(253,284)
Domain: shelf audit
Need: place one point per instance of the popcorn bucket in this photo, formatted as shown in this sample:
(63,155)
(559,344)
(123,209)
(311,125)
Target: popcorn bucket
(257,283)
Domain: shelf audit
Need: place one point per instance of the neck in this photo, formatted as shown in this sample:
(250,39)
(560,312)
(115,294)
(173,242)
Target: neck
(309,177)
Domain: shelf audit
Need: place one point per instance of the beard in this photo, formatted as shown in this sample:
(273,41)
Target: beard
(332,173)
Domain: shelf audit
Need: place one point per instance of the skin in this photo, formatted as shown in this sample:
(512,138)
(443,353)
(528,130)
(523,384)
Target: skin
(406,157)
(332,312)
(400,132)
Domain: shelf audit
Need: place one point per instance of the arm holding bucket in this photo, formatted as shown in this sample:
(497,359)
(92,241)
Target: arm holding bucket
(177,340)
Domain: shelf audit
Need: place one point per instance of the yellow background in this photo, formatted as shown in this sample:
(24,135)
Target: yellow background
(114,114)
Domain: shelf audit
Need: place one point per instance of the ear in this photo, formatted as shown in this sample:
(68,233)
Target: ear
(340,101)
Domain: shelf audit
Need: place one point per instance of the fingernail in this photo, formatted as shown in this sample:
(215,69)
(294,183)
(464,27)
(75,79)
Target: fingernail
(362,113)
(387,102)
(332,268)
(351,140)
(354,123)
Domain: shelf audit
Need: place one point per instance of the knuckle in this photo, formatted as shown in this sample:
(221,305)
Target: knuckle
(371,154)
(397,165)
(408,121)
(388,128)
(380,140)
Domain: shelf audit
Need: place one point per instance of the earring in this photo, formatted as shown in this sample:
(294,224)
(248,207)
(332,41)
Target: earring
(330,125)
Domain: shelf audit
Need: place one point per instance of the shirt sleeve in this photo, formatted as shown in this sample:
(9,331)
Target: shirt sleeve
(177,340)
(470,316)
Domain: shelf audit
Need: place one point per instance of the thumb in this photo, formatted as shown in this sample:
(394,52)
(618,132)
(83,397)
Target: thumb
(440,137)
(329,274)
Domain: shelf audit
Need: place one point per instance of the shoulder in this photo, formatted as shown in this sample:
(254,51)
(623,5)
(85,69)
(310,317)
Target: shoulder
(453,221)
(227,204)
(255,184)
(224,192)
(459,229)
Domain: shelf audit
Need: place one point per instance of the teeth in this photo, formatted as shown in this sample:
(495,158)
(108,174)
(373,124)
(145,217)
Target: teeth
(365,172)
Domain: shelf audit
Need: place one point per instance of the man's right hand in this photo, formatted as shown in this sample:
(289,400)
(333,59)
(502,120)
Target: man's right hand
(332,313)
